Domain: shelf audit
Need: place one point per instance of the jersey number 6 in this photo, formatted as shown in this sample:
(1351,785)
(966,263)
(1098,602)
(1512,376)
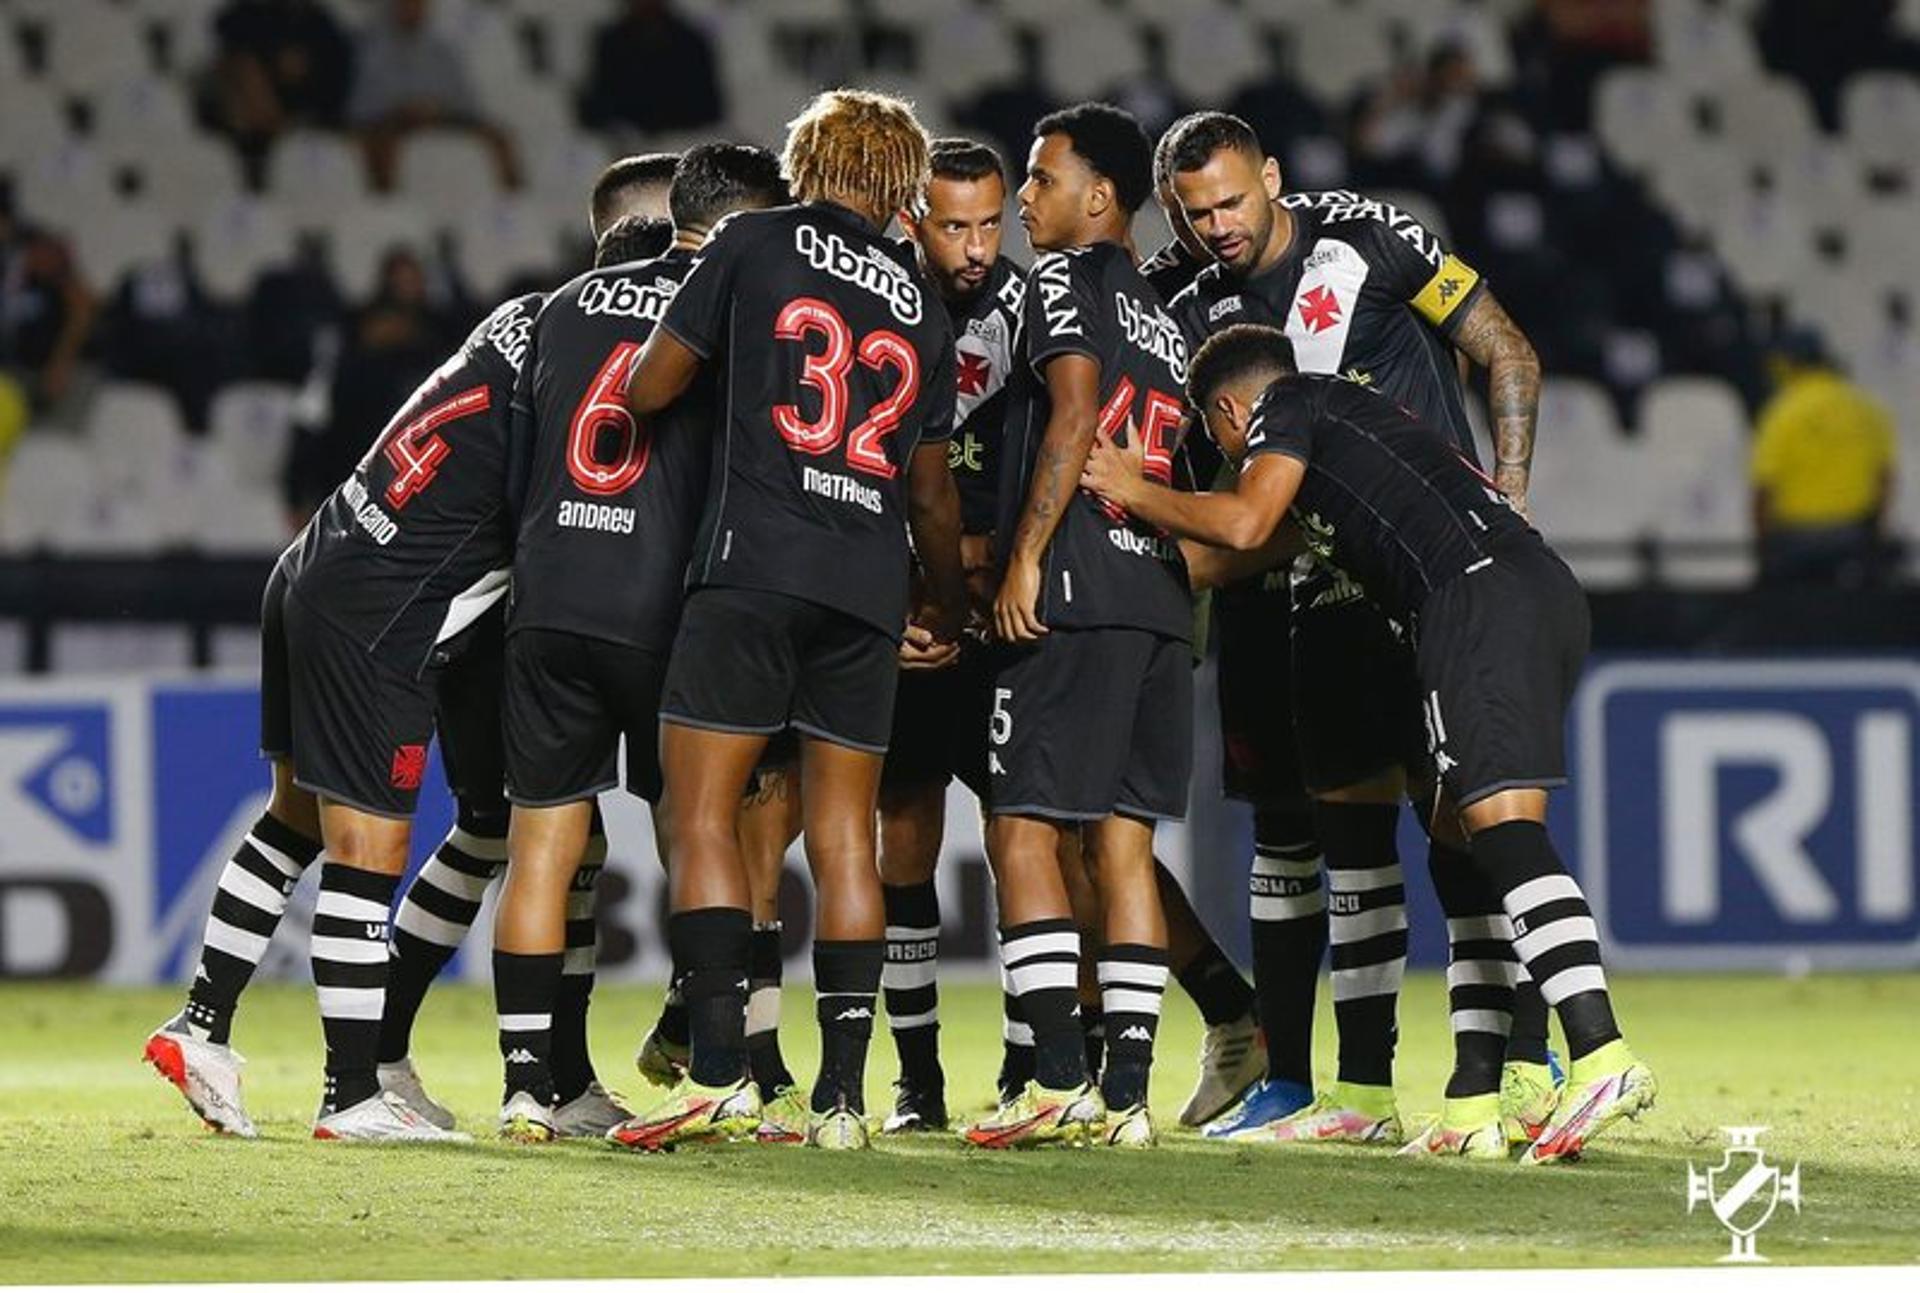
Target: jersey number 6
(825,371)
(602,421)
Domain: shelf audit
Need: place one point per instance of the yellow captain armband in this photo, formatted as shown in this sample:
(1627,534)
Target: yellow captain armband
(1443,293)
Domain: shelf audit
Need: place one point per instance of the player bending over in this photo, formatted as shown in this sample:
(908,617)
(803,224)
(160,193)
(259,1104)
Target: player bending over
(835,366)
(1500,627)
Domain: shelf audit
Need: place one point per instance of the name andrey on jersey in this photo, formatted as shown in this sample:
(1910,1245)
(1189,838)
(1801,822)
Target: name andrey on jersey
(577,515)
(869,269)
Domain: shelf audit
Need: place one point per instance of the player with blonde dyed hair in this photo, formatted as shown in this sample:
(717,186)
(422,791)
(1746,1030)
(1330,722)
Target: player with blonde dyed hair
(858,149)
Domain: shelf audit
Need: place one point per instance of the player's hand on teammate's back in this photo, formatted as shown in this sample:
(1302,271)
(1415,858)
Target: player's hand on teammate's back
(1112,469)
(1015,610)
(920,649)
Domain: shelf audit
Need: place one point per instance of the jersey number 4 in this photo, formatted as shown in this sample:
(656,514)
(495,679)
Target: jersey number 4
(607,450)
(825,372)
(1160,416)
(415,449)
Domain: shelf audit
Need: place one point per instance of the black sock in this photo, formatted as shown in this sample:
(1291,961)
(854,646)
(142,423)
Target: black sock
(1209,978)
(1368,930)
(1288,905)
(572,1064)
(1553,930)
(910,979)
(1016,1040)
(846,985)
(765,1063)
(349,951)
(435,913)
(1527,1042)
(1481,970)
(247,907)
(1093,1031)
(672,1024)
(710,945)
(1133,981)
(524,990)
(1043,965)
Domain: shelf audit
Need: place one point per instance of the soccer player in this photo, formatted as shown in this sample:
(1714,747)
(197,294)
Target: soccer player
(637,185)
(606,524)
(1178,263)
(1091,716)
(836,370)
(1362,289)
(940,716)
(361,611)
(1500,629)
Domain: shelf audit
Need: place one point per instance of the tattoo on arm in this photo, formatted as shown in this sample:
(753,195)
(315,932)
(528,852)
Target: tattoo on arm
(1490,338)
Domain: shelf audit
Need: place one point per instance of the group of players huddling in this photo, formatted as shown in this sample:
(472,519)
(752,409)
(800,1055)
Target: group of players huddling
(815,521)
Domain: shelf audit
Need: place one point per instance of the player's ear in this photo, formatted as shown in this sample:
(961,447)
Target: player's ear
(1270,176)
(1100,197)
(908,225)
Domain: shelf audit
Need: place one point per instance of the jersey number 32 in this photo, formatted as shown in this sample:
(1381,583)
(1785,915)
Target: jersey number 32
(825,372)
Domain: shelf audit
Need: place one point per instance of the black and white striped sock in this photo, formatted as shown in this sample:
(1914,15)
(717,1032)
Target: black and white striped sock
(1481,972)
(1367,927)
(349,949)
(435,914)
(1288,904)
(1016,1041)
(247,907)
(1133,981)
(1553,930)
(572,1065)
(910,979)
(766,970)
(524,987)
(1043,968)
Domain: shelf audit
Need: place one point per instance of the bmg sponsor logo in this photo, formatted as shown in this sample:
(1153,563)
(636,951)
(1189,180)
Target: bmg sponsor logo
(1751,813)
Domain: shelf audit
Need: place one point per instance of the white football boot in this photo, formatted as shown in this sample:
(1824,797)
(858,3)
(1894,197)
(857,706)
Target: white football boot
(380,1117)
(403,1080)
(207,1074)
(1233,1057)
(591,1114)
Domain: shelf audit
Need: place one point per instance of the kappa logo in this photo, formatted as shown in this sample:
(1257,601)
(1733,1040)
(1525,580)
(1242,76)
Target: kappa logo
(521,1055)
(409,766)
(853,1012)
(1137,1033)
(1743,1191)
(1449,288)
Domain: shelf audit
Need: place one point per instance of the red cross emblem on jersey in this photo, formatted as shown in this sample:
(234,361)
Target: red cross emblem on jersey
(1319,309)
(972,373)
(409,765)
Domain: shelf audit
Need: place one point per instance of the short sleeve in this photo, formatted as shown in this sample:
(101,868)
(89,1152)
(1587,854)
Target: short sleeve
(698,315)
(940,404)
(1062,308)
(1417,267)
(1190,314)
(1281,423)
(522,427)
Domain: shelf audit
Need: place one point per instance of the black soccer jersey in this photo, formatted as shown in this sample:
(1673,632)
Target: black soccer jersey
(984,327)
(1355,293)
(611,505)
(1103,569)
(838,361)
(413,546)
(1384,498)
(1172,268)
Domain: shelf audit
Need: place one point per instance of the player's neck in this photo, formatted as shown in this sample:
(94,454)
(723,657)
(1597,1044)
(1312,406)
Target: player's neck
(1279,242)
(690,237)
(847,202)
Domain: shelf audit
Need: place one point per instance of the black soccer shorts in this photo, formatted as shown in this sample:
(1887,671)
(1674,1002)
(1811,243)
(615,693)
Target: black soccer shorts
(1356,696)
(569,701)
(1260,756)
(1500,654)
(355,729)
(751,661)
(940,723)
(1090,723)
(469,678)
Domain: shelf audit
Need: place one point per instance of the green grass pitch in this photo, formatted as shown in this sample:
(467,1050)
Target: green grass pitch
(105,1176)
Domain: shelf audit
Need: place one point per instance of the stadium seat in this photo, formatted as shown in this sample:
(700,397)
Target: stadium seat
(91,47)
(236,241)
(1766,118)
(49,472)
(560,175)
(1086,53)
(501,239)
(134,436)
(119,648)
(1880,114)
(185,28)
(1698,185)
(32,121)
(144,112)
(1765,242)
(1640,114)
(445,173)
(1880,243)
(1693,433)
(316,176)
(13,647)
(115,239)
(107,523)
(252,429)
(234,648)
(234,518)
(1703,44)
(361,238)
(1333,55)
(66,176)
(1823,177)
(1212,51)
(964,50)
(187,179)
(1588,491)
